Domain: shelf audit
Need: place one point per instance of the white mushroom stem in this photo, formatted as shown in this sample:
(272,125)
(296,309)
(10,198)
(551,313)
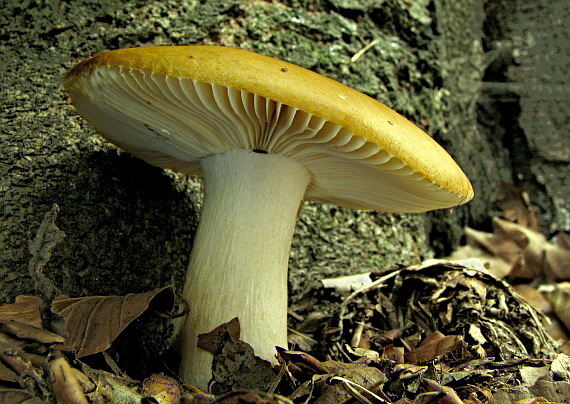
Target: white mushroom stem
(239,262)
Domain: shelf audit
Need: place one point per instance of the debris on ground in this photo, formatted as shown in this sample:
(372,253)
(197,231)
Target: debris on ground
(489,327)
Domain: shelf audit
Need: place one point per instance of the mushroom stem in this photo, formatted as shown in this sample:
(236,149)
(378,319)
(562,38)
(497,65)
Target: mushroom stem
(239,262)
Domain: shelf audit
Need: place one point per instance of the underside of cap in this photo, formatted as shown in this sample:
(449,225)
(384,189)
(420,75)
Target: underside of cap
(172,106)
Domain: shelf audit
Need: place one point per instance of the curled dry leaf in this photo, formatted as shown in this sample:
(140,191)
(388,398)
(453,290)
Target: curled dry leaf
(94,322)
(518,251)
(516,247)
(301,364)
(41,248)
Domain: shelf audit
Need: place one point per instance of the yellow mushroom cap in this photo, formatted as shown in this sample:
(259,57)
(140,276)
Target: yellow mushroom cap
(174,105)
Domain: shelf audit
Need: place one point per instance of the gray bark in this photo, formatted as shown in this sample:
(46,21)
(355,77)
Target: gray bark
(523,107)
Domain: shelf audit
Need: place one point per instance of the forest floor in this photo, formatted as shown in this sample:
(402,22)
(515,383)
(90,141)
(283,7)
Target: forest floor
(487,325)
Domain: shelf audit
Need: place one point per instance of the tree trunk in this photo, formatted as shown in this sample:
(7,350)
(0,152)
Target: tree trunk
(129,227)
(523,107)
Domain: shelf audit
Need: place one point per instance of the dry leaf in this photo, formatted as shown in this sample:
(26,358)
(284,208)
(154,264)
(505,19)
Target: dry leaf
(450,397)
(94,322)
(534,297)
(409,371)
(235,366)
(435,345)
(559,296)
(212,341)
(239,397)
(26,309)
(26,331)
(537,255)
(41,248)
(518,251)
(496,266)
(455,300)
(516,207)
(498,255)
(7,375)
(516,247)
(16,396)
(394,353)
(341,382)
(301,364)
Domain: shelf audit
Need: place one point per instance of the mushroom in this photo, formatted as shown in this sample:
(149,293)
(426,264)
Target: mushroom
(265,134)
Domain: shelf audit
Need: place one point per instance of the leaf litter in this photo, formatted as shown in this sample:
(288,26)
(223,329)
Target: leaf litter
(446,331)
(94,322)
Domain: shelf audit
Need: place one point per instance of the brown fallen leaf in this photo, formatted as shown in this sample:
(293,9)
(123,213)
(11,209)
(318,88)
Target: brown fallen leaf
(496,266)
(7,375)
(559,296)
(534,297)
(94,322)
(394,353)
(537,255)
(25,309)
(26,331)
(22,366)
(211,341)
(239,397)
(449,395)
(516,247)
(18,396)
(516,206)
(518,251)
(408,371)
(342,381)
(451,298)
(235,366)
(435,345)
(300,364)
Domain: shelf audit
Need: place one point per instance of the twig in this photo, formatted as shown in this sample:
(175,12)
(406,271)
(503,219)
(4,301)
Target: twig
(361,52)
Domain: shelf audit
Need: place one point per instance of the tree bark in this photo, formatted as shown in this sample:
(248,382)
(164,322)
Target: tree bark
(129,227)
(523,107)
